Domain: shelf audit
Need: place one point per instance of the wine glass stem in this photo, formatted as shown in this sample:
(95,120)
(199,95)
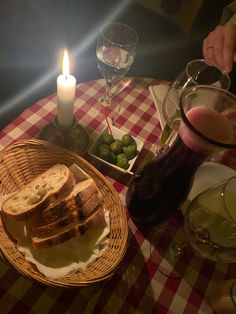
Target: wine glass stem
(106,101)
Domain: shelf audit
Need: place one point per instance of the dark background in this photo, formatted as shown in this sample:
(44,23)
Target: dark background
(34,33)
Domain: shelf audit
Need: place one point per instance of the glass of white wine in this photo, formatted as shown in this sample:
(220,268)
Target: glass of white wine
(209,230)
(210,222)
(116,48)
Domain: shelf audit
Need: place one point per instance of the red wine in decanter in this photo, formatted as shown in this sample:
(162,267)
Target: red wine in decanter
(164,183)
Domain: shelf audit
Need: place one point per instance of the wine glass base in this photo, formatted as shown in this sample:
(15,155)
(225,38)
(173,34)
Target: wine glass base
(176,260)
(170,251)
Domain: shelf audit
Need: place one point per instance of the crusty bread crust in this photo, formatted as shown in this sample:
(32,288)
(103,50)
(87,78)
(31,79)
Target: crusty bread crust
(55,207)
(53,227)
(66,214)
(50,186)
(84,198)
(81,192)
(68,232)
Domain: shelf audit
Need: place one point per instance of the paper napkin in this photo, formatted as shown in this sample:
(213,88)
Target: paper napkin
(66,258)
(158,93)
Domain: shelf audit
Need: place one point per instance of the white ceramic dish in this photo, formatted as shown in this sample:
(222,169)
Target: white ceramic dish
(117,134)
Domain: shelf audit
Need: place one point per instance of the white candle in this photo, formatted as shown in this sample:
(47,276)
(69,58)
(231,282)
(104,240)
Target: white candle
(66,85)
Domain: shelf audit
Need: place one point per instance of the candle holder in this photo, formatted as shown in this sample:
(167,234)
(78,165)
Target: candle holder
(74,138)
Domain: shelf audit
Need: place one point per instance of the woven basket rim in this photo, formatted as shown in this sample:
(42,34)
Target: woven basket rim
(118,218)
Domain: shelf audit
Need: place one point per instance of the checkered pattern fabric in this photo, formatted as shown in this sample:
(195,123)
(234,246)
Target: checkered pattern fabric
(145,282)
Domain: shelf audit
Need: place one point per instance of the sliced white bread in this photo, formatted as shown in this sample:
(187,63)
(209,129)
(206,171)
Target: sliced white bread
(50,186)
(70,217)
(63,234)
(43,226)
(84,198)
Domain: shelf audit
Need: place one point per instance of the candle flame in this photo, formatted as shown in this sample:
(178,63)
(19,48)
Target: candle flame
(66,64)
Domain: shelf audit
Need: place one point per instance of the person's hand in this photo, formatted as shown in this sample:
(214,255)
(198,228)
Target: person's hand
(219,47)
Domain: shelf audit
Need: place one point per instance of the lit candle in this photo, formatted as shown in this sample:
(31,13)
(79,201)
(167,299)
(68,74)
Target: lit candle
(66,85)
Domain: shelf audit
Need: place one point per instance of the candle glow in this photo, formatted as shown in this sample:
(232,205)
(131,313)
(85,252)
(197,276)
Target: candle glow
(66,64)
(66,85)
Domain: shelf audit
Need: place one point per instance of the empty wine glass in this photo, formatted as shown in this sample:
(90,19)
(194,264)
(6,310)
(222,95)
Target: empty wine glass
(116,47)
(210,222)
(196,72)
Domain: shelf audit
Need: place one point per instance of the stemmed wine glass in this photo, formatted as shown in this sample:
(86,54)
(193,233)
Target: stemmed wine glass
(210,222)
(116,47)
(196,72)
(209,230)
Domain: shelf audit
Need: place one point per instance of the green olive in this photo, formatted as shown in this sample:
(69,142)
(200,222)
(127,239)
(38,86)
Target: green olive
(104,152)
(116,146)
(121,155)
(113,158)
(107,138)
(126,139)
(130,151)
(123,162)
(103,147)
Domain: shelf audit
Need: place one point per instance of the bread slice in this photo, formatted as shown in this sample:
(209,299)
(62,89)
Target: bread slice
(63,234)
(83,198)
(70,217)
(43,226)
(50,186)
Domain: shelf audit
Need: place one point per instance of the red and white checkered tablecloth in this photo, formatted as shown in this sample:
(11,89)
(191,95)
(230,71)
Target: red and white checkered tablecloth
(140,285)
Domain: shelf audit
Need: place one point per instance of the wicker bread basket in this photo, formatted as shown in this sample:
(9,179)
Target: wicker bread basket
(19,164)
